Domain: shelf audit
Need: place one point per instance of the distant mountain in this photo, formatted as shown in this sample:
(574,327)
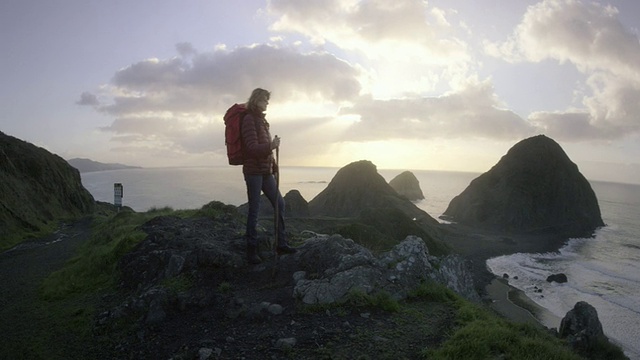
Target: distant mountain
(38,189)
(86,165)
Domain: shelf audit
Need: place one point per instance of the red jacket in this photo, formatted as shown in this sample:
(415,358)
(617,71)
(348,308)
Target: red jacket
(256,140)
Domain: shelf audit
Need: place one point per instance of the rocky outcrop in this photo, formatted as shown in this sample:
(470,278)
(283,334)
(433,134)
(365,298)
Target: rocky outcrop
(534,188)
(332,267)
(37,188)
(209,251)
(407,185)
(359,193)
(581,327)
(559,278)
(295,206)
(358,186)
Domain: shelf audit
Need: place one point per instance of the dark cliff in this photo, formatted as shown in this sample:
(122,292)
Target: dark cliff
(37,187)
(534,188)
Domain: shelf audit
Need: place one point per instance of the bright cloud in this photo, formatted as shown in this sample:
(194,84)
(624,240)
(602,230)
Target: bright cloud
(472,112)
(589,36)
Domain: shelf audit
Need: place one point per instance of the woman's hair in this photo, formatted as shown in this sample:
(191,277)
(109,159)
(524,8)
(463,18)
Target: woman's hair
(257,95)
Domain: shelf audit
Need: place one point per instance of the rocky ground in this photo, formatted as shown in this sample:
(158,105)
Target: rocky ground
(184,297)
(256,318)
(244,313)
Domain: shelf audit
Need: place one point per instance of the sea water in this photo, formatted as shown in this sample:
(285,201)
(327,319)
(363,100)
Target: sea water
(603,271)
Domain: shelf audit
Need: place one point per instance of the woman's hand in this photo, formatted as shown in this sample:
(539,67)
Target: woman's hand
(275,143)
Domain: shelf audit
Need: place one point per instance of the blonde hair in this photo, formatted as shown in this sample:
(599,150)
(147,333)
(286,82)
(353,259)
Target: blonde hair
(256,96)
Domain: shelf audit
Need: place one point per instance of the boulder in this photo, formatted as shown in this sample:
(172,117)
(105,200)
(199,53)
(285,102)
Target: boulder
(331,267)
(534,188)
(407,185)
(559,278)
(581,327)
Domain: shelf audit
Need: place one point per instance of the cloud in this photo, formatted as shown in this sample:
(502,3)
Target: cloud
(472,112)
(178,103)
(88,99)
(590,36)
(211,81)
(406,45)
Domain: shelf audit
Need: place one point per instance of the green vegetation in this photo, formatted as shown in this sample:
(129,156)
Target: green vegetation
(380,229)
(114,234)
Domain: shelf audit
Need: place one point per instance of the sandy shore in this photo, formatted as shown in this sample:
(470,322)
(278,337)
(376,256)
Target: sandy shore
(479,246)
(514,304)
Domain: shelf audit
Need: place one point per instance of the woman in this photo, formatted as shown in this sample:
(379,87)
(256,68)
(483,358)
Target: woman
(259,168)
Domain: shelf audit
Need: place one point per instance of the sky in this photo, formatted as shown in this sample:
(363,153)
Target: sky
(439,85)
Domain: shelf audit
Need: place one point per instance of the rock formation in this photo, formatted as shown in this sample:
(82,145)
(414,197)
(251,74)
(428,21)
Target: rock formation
(407,185)
(534,188)
(37,188)
(357,192)
(356,187)
(324,270)
(295,206)
(581,327)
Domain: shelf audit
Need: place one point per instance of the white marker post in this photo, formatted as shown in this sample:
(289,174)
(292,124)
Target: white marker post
(118,193)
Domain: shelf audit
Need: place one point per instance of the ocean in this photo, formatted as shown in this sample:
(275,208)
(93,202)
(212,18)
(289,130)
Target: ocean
(603,271)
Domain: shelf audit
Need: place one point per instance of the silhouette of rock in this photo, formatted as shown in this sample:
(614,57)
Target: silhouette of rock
(37,187)
(356,187)
(534,188)
(559,278)
(295,206)
(407,185)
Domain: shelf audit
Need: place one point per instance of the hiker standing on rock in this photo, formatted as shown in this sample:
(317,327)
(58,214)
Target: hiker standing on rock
(259,168)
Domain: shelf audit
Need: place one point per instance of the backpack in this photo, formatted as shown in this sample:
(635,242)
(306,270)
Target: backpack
(233,133)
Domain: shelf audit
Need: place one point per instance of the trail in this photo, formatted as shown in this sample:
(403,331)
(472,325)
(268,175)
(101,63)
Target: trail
(22,270)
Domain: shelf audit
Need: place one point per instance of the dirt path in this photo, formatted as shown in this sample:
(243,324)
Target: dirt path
(22,270)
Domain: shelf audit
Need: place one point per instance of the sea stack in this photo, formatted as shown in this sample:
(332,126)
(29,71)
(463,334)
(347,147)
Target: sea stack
(534,188)
(357,187)
(407,185)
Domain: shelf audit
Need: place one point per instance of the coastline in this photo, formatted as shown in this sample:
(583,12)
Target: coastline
(515,305)
(478,246)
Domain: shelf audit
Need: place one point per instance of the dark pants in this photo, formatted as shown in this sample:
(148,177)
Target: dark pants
(266,184)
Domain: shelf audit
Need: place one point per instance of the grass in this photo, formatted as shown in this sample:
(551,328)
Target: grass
(93,269)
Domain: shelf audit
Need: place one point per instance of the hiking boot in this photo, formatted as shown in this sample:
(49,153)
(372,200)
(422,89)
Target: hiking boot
(285,249)
(252,255)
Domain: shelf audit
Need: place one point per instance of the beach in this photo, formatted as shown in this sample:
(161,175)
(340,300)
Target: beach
(478,246)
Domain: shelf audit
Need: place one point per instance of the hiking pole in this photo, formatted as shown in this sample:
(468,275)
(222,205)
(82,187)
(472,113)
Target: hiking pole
(276,217)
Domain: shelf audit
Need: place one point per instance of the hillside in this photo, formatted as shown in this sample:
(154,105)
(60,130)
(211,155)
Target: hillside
(38,189)
(86,165)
